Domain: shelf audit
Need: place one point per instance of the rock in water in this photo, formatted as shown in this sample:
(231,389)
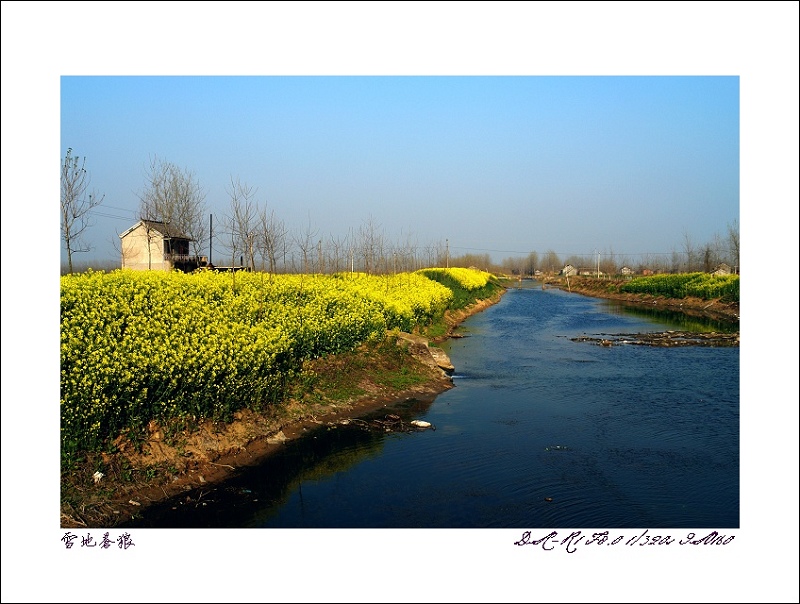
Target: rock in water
(441,358)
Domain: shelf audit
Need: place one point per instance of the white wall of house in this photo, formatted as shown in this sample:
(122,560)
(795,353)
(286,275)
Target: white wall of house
(143,251)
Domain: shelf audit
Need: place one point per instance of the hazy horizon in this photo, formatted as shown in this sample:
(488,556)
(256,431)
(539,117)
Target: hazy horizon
(498,165)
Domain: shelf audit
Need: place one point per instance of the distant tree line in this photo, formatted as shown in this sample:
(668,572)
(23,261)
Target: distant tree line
(252,235)
(690,258)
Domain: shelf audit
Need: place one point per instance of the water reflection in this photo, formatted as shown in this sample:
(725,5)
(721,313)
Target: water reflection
(255,494)
(659,315)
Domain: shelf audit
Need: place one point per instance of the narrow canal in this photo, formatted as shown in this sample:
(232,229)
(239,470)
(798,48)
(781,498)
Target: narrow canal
(539,431)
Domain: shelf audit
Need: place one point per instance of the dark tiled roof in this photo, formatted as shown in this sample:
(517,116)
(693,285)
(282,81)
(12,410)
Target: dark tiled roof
(165,229)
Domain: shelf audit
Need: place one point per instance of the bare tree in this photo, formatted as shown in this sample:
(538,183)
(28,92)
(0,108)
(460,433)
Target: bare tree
(733,244)
(707,255)
(431,254)
(174,197)
(676,262)
(608,263)
(76,204)
(689,250)
(551,262)
(340,249)
(720,251)
(531,263)
(406,251)
(241,223)
(271,237)
(306,241)
(370,244)
(514,265)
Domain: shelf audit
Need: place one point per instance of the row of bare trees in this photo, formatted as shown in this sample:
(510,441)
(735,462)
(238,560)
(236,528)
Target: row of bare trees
(253,236)
(690,258)
(610,265)
(259,240)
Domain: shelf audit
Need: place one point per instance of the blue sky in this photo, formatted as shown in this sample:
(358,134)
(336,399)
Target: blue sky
(515,163)
(502,165)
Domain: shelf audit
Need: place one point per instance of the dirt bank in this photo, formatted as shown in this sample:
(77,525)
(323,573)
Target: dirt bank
(712,309)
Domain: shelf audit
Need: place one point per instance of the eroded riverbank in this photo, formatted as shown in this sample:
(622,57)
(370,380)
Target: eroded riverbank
(164,466)
(717,309)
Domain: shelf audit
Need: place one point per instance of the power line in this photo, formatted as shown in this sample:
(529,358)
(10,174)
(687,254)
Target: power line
(134,212)
(104,215)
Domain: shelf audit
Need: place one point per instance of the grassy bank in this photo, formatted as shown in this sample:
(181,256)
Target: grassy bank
(697,294)
(112,477)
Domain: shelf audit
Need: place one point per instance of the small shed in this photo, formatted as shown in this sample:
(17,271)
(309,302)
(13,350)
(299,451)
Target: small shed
(154,245)
(722,269)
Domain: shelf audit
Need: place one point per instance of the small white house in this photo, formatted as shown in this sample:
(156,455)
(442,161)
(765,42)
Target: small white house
(152,245)
(722,269)
(569,271)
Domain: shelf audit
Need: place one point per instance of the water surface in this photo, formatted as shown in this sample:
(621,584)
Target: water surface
(539,431)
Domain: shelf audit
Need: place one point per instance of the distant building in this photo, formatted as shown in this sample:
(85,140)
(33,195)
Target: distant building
(626,270)
(569,271)
(153,245)
(722,269)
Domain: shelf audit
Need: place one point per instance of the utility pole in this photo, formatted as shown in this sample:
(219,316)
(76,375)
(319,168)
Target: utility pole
(598,263)
(210,235)
(447,253)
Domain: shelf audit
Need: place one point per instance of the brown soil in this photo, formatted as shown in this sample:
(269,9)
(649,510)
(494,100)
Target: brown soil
(168,462)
